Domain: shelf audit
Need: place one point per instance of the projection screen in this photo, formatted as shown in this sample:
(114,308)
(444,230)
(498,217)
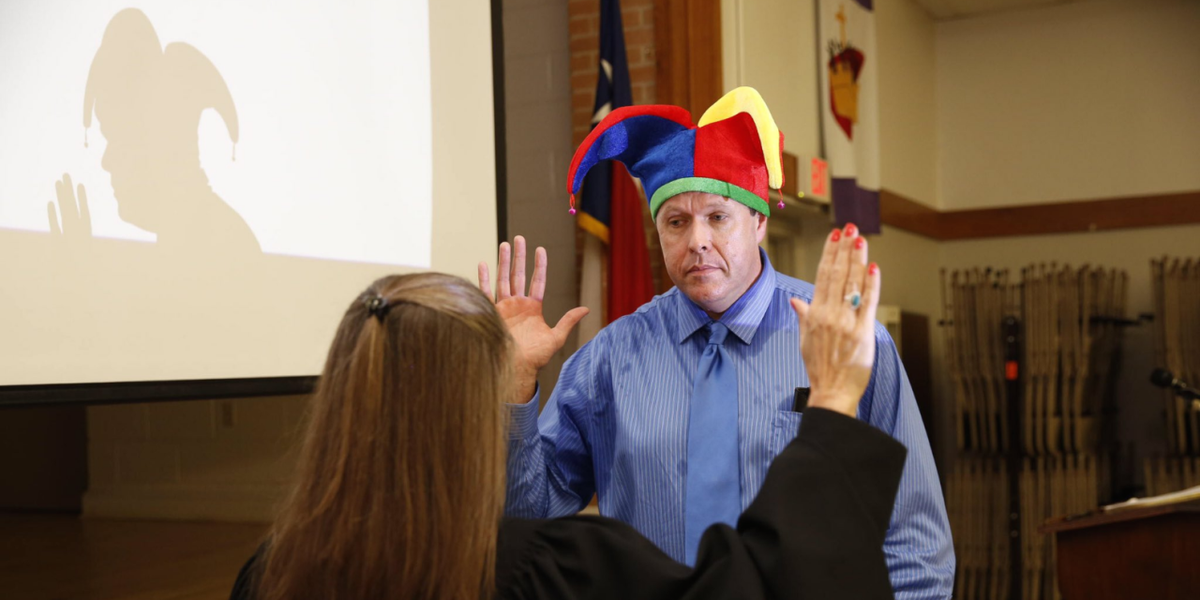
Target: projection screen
(198,190)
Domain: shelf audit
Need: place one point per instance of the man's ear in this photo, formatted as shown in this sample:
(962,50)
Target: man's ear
(761,226)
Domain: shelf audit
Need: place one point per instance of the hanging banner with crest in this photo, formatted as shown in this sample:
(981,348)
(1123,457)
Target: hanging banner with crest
(850,109)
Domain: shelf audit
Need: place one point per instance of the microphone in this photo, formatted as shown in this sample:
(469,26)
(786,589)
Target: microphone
(1164,379)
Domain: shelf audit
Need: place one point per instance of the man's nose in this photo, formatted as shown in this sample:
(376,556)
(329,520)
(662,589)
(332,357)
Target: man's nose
(700,238)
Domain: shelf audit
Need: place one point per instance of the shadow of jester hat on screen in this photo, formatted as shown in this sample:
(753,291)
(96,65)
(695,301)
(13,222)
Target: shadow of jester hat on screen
(735,151)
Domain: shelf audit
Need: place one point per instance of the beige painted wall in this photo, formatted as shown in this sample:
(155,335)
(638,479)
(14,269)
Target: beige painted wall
(1080,100)
(770,45)
(907,69)
(907,100)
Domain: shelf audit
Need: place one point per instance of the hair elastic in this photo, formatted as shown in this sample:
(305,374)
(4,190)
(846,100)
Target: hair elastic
(377,306)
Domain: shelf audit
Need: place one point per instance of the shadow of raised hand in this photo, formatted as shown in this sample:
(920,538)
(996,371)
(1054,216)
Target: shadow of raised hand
(73,206)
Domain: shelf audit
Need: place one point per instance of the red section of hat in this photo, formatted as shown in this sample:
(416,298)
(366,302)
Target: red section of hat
(730,151)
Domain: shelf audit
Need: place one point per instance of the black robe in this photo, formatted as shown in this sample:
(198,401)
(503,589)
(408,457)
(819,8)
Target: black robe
(815,531)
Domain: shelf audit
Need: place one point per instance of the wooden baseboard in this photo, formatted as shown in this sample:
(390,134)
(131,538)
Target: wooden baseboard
(1160,210)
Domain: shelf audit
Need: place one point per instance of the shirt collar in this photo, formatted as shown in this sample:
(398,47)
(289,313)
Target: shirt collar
(742,318)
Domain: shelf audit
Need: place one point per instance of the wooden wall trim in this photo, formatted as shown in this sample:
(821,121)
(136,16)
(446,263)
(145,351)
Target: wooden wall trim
(687,52)
(1159,210)
(687,36)
(900,212)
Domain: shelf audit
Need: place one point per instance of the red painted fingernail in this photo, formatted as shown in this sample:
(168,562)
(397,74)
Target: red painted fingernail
(859,243)
(837,235)
(873,269)
(851,230)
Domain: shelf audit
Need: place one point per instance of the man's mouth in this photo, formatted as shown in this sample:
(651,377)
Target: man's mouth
(702,269)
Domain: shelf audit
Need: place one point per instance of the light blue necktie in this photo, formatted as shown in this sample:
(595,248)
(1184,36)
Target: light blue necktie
(713,482)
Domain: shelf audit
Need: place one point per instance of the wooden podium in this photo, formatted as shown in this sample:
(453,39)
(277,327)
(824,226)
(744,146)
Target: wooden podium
(1144,552)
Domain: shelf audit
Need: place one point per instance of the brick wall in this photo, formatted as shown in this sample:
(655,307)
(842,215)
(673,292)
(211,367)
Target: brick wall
(637,16)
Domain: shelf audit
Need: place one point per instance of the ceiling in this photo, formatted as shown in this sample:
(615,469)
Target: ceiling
(944,10)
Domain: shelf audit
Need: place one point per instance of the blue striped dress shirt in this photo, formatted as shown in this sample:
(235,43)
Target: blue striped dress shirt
(616,425)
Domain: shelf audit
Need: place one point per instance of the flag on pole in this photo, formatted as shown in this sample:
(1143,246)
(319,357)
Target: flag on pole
(850,110)
(610,205)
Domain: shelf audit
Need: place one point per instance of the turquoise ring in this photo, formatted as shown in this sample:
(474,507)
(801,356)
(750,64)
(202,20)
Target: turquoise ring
(854,299)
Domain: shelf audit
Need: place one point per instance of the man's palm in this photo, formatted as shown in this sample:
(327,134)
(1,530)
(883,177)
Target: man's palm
(536,341)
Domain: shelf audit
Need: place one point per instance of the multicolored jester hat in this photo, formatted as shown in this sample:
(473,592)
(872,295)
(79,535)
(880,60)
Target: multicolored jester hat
(735,151)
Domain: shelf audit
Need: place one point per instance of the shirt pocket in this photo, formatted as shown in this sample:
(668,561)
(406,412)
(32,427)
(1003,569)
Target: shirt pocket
(784,430)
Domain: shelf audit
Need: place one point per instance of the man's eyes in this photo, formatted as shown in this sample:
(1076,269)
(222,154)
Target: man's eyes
(681,222)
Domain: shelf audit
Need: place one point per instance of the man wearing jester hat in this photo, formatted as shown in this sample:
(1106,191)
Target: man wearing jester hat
(148,100)
(672,415)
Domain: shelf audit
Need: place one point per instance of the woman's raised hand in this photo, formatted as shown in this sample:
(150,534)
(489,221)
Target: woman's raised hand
(837,330)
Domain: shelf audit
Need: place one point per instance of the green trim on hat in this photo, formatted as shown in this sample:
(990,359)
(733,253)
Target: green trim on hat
(711,186)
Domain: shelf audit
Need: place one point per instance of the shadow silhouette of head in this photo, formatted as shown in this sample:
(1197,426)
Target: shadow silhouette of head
(148,101)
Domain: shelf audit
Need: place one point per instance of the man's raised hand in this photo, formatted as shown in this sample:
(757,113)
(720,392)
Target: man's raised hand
(536,341)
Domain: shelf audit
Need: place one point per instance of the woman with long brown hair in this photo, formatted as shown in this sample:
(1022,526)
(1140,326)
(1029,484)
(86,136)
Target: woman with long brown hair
(400,488)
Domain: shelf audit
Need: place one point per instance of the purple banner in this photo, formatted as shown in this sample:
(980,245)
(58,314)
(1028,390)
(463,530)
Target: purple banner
(852,204)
